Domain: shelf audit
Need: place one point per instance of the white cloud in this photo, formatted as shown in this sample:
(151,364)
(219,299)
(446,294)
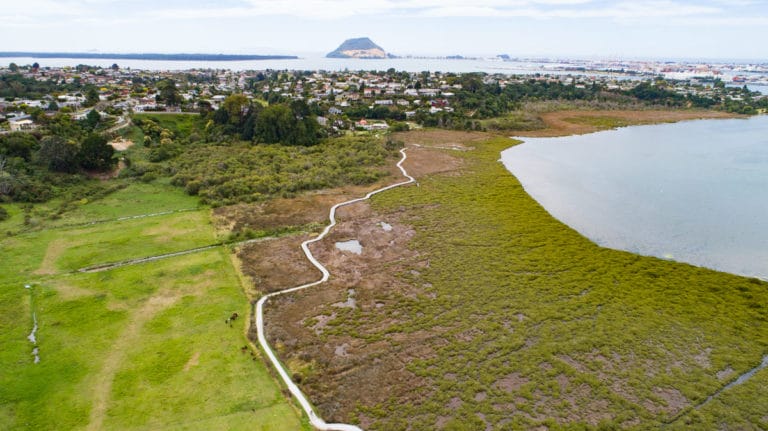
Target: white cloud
(33,8)
(337,9)
(39,13)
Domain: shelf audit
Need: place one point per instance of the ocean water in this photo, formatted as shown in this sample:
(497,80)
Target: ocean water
(694,191)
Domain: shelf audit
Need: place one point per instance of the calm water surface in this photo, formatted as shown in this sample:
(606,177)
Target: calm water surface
(322,63)
(694,192)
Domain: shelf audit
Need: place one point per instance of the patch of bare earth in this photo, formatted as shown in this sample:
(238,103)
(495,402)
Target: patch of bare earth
(564,123)
(277,264)
(52,253)
(671,402)
(511,383)
(108,175)
(121,144)
(193,361)
(70,292)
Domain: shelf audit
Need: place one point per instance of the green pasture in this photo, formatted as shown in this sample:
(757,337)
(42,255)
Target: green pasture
(140,347)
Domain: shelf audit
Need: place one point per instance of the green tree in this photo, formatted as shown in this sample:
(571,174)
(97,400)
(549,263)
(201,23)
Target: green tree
(57,154)
(91,96)
(92,120)
(6,183)
(236,106)
(279,123)
(169,94)
(18,145)
(95,153)
(13,67)
(274,124)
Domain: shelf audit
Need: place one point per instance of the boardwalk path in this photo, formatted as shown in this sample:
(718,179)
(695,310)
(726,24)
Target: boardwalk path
(314,419)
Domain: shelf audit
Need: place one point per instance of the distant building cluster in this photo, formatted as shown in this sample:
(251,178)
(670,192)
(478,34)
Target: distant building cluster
(344,100)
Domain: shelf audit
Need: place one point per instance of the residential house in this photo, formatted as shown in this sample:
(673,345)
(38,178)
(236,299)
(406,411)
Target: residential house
(21,124)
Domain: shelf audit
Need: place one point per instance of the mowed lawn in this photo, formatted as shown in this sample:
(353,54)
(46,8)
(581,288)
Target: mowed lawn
(137,347)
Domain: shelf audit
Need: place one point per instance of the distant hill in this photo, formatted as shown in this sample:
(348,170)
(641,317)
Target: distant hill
(148,56)
(358,48)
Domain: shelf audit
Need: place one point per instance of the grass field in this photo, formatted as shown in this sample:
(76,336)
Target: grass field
(532,325)
(179,124)
(121,198)
(140,347)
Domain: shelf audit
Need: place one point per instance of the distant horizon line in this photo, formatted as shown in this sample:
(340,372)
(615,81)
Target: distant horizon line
(145,56)
(251,57)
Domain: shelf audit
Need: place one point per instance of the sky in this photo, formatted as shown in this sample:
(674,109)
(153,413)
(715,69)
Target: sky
(675,29)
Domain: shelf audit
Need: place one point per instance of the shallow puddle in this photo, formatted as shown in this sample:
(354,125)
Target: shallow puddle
(352,245)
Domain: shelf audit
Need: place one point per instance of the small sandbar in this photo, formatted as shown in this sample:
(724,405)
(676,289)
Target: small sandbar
(352,246)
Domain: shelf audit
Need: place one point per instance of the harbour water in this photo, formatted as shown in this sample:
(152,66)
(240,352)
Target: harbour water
(316,63)
(694,192)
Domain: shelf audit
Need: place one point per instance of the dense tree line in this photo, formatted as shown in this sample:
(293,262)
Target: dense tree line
(479,100)
(741,100)
(291,123)
(13,85)
(35,163)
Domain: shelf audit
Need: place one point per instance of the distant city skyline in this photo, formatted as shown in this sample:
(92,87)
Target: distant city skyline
(684,29)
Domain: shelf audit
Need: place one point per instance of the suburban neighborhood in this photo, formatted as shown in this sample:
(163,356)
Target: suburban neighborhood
(359,100)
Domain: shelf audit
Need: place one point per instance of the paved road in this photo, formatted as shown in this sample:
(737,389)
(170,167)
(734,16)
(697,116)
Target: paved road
(314,419)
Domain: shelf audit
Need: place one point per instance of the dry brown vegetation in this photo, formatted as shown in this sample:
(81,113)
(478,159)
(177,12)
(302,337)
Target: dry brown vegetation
(579,122)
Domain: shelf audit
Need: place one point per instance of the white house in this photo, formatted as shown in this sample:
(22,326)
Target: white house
(21,124)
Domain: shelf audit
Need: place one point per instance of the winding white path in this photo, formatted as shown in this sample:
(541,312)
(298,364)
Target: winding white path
(314,419)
